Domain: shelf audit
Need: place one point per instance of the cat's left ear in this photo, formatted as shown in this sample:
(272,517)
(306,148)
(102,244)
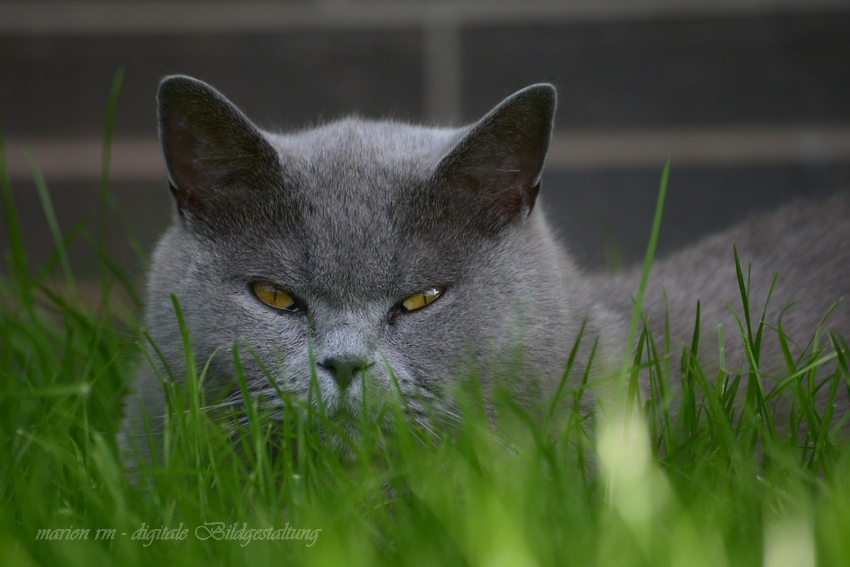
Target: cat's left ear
(500,160)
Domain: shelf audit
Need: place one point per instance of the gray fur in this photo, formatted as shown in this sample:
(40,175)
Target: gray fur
(803,245)
(354,216)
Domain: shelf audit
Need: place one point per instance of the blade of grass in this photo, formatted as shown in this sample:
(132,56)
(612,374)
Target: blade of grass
(53,223)
(13,227)
(106,157)
(644,278)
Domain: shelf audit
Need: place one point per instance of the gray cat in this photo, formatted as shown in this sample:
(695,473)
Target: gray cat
(394,253)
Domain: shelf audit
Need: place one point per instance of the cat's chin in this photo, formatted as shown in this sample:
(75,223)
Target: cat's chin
(347,444)
(351,440)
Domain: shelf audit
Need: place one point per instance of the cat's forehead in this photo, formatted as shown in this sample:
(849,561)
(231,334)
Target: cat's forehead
(355,183)
(355,148)
(353,177)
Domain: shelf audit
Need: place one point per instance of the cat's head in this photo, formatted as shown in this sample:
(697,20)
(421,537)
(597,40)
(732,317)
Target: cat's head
(386,252)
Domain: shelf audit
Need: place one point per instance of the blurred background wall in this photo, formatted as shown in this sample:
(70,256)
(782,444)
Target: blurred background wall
(751,98)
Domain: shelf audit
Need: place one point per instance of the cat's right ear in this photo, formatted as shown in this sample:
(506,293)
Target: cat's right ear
(211,149)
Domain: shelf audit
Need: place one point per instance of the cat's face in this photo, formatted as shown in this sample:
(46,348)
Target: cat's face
(391,255)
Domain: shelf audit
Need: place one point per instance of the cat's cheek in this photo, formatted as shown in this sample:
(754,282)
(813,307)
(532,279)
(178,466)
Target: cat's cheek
(428,346)
(282,334)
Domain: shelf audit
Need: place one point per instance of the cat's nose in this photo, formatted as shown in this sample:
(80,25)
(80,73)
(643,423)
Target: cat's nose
(344,368)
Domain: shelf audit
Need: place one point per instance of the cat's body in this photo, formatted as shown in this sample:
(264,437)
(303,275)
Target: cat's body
(803,245)
(353,220)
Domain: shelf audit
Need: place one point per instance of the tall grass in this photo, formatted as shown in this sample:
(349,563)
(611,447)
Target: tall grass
(705,476)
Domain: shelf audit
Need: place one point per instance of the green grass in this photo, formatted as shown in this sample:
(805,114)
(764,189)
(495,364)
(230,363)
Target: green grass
(719,481)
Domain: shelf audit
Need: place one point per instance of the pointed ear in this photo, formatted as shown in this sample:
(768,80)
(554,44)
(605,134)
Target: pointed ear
(498,163)
(212,151)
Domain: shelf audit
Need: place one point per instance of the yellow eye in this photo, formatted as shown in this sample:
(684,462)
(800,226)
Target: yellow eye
(272,296)
(420,300)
